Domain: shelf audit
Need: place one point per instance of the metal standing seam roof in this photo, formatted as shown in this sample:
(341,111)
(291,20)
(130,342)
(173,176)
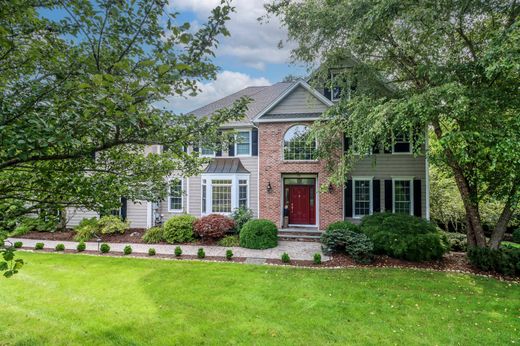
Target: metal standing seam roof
(226,165)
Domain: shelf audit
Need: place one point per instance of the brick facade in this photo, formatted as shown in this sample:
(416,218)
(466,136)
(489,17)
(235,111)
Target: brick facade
(272,167)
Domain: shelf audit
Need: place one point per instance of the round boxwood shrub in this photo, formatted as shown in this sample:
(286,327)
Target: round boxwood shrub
(17,244)
(286,258)
(38,246)
(104,248)
(153,235)
(151,251)
(200,253)
(259,234)
(229,254)
(317,258)
(81,247)
(127,250)
(60,247)
(179,229)
(516,235)
(213,226)
(405,237)
(177,251)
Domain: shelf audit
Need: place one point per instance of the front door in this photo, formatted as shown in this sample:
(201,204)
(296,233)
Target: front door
(300,209)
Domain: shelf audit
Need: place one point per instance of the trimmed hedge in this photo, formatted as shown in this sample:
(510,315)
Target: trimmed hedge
(504,260)
(213,226)
(179,229)
(259,234)
(356,245)
(104,248)
(346,225)
(405,237)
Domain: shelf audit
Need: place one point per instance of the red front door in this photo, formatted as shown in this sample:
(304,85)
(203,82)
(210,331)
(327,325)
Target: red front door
(301,206)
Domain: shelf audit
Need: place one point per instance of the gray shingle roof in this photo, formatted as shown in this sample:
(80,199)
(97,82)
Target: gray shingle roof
(262,97)
(223,165)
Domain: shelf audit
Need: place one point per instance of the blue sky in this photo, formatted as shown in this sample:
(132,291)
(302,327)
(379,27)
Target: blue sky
(249,57)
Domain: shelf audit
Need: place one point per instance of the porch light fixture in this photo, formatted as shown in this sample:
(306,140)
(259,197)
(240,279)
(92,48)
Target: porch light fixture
(331,188)
(269,187)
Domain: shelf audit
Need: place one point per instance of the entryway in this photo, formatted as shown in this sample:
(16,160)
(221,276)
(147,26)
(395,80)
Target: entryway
(300,201)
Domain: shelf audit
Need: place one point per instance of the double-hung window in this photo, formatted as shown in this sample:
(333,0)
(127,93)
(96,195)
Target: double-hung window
(175,196)
(402,196)
(361,197)
(243,143)
(206,152)
(402,143)
(243,199)
(224,193)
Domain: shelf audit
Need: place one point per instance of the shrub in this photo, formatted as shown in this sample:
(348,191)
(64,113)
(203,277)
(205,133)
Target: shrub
(286,258)
(178,251)
(38,246)
(17,244)
(516,235)
(153,235)
(213,226)
(345,225)
(59,247)
(359,247)
(241,216)
(104,248)
(317,258)
(179,229)
(456,241)
(86,229)
(504,260)
(110,224)
(404,236)
(127,250)
(81,247)
(229,254)
(230,240)
(259,234)
(28,224)
(201,253)
(151,251)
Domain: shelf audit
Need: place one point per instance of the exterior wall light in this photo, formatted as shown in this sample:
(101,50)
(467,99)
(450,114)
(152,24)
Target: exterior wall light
(269,187)
(331,188)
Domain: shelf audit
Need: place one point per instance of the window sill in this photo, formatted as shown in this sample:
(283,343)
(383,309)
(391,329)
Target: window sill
(300,161)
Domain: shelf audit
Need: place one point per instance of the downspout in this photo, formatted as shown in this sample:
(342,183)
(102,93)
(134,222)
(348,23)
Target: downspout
(427,174)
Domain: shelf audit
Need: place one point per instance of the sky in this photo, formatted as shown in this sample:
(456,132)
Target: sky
(249,57)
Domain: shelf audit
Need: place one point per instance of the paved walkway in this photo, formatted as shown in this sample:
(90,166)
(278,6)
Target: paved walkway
(296,250)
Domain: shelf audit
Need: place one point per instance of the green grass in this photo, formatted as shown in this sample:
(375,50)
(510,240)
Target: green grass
(74,299)
(516,245)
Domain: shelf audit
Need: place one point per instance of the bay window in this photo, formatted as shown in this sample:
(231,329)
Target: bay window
(224,193)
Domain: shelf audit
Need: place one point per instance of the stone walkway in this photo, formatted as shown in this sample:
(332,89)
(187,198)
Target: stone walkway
(296,250)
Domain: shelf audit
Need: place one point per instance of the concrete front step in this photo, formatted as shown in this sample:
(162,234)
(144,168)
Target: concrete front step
(313,238)
(310,231)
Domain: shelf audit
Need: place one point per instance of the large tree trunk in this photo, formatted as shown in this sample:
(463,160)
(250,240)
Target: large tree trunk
(501,226)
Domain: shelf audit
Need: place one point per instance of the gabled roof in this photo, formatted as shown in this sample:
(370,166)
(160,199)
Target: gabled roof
(225,165)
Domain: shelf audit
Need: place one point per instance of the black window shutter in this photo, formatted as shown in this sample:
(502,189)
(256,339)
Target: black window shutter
(376,196)
(388,196)
(327,93)
(417,200)
(124,208)
(231,149)
(219,145)
(347,142)
(348,198)
(254,141)
(375,146)
(195,149)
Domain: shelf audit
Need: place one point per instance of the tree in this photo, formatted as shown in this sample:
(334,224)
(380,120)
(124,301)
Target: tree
(451,65)
(80,83)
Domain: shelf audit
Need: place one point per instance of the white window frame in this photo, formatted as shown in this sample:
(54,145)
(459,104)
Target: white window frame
(234,190)
(283,144)
(170,210)
(402,152)
(207,155)
(371,195)
(409,179)
(250,143)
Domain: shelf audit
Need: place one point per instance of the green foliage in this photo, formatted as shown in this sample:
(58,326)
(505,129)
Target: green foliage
(286,258)
(200,253)
(230,240)
(179,229)
(110,224)
(504,260)
(153,235)
(229,254)
(316,258)
(259,234)
(444,192)
(404,236)
(343,225)
(213,226)
(86,229)
(127,250)
(17,244)
(241,216)
(28,224)
(38,246)
(177,251)
(9,265)
(356,245)
(516,235)
(81,247)
(151,251)
(59,247)
(456,241)
(104,248)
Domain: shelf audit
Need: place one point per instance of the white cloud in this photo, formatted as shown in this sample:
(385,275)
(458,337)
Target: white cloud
(227,82)
(253,43)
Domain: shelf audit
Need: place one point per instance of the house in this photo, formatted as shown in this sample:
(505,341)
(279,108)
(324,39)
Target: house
(272,169)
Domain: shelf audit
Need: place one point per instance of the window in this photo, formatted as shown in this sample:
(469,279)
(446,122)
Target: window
(224,193)
(297,144)
(242,193)
(362,197)
(403,196)
(243,144)
(175,198)
(402,143)
(335,92)
(207,152)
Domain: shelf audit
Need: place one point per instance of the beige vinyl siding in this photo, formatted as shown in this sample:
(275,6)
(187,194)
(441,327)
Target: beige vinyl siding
(387,166)
(136,214)
(297,102)
(75,215)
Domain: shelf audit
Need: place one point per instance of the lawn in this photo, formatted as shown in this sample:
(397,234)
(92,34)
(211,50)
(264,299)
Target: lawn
(75,299)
